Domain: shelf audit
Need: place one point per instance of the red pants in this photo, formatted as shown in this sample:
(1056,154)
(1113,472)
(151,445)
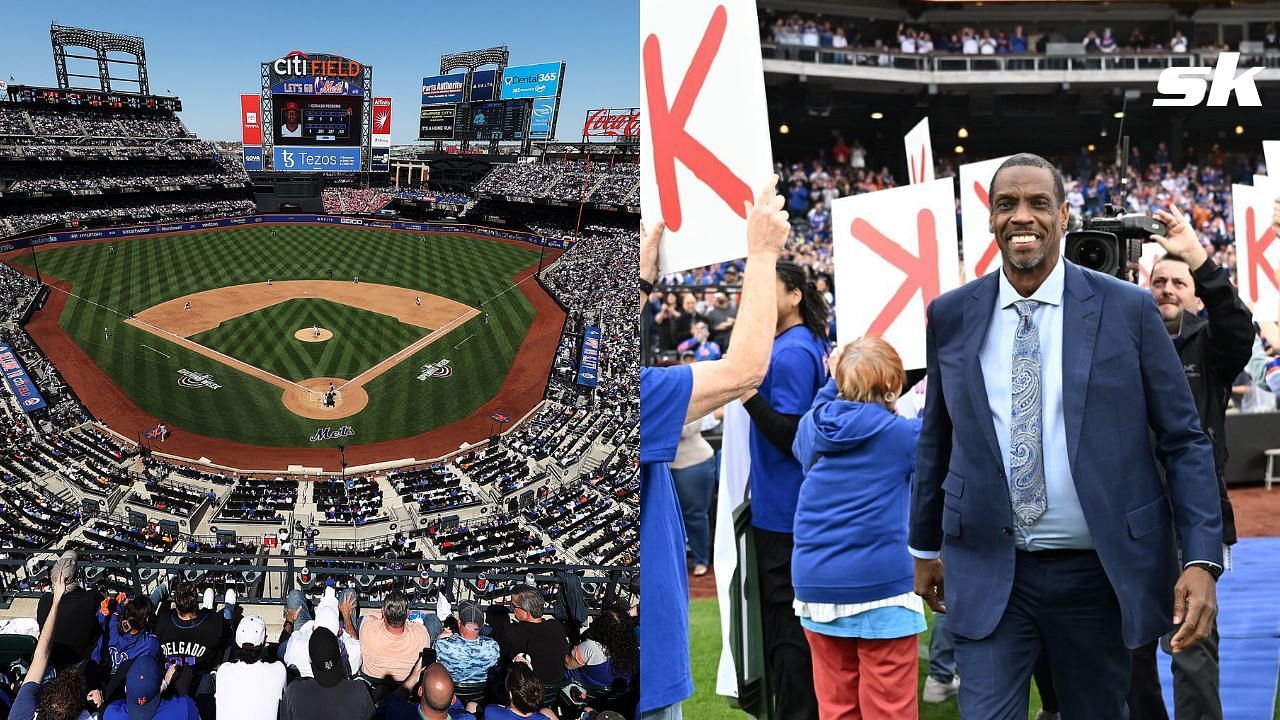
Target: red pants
(857,678)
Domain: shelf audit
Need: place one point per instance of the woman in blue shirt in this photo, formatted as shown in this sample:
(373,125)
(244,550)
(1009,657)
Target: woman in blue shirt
(796,373)
(669,398)
(853,574)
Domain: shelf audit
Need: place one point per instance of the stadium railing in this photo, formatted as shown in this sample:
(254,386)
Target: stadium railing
(872,62)
(22,573)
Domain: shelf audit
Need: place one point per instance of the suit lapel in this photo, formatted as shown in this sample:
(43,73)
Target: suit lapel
(1080,312)
(977,319)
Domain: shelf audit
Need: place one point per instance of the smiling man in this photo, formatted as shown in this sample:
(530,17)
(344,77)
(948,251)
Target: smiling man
(1036,475)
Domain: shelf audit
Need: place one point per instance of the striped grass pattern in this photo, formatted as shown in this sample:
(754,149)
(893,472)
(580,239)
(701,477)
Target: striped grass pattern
(140,273)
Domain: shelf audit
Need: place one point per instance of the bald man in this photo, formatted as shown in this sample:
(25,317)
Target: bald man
(435,699)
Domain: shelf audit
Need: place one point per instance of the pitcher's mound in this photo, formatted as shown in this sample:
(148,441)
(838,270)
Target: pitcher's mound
(309,335)
(307,400)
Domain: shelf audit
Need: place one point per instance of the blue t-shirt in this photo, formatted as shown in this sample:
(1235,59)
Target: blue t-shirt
(665,676)
(501,712)
(796,373)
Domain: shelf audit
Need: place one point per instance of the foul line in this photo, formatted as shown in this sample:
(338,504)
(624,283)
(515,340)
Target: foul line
(455,347)
(154,350)
(415,347)
(195,347)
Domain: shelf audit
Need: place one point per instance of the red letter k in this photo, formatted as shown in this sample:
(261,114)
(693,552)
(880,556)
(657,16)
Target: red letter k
(670,140)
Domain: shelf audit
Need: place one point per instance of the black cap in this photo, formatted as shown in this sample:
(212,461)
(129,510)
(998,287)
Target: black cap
(326,660)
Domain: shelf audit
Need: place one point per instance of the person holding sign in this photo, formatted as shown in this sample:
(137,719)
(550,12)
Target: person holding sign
(1052,390)
(669,398)
(796,373)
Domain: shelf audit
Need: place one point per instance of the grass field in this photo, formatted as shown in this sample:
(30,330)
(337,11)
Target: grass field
(264,339)
(704,635)
(141,273)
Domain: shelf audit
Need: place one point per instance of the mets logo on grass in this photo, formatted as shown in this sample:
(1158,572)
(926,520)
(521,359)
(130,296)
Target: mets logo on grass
(437,369)
(325,433)
(192,379)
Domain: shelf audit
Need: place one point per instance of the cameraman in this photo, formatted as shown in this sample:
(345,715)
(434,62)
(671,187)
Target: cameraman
(1214,349)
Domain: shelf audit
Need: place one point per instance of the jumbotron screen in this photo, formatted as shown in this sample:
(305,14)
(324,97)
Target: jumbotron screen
(316,120)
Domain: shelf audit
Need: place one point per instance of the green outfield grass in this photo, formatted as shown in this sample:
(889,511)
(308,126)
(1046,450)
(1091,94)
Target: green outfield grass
(141,273)
(264,339)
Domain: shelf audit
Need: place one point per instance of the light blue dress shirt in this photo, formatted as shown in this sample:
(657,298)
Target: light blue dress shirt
(1062,526)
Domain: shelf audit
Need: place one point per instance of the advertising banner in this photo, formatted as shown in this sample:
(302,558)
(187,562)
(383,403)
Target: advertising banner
(20,384)
(483,83)
(251,120)
(252,158)
(589,366)
(379,159)
(542,121)
(437,123)
(442,88)
(616,124)
(316,86)
(532,81)
(342,159)
(382,122)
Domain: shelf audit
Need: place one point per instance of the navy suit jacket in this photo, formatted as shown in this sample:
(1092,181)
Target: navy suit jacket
(1126,403)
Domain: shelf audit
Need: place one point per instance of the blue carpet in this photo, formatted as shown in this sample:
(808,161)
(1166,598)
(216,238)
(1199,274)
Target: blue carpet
(1249,623)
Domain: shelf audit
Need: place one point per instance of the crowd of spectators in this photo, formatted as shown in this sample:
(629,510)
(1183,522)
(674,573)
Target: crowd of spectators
(356,201)
(566,180)
(505,660)
(102,176)
(111,211)
(793,31)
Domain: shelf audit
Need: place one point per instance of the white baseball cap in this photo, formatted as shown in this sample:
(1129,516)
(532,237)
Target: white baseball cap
(327,617)
(251,631)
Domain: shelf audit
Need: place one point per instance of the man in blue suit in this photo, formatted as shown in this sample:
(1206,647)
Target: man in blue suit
(1052,391)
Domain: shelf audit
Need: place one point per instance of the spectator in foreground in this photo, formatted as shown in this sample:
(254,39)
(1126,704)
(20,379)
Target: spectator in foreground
(77,636)
(608,651)
(250,688)
(436,699)
(853,573)
(669,398)
(330,694)
(63,697)
(126,632)
(467,655)
(544,640)
(146,698)
(524,693)
(390,645)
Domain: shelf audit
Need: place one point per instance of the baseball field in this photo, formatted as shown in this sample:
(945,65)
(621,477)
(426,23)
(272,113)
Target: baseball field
(239,333)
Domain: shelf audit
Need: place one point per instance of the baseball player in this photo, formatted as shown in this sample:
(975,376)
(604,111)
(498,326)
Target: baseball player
(316,330)
(418,300)
(106,333)
(186,306)
(268,282)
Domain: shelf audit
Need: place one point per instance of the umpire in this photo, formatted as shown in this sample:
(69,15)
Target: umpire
(1214,346)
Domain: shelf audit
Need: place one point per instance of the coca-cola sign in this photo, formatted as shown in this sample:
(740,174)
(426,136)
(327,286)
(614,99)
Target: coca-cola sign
(620,124)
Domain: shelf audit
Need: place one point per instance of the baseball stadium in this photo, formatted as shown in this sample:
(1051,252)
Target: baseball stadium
(316,375)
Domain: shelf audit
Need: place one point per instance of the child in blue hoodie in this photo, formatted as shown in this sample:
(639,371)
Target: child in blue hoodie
(851,569)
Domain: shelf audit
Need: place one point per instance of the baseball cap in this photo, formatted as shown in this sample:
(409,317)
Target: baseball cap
(327,617)
(65,566)
(469,613)
(326,661)
(142,687)
(251,631)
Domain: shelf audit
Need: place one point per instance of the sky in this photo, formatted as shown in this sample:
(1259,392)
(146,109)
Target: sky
(208,53)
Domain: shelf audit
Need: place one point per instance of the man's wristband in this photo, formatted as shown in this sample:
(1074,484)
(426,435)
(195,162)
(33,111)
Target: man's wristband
(1213,568)
(646,287)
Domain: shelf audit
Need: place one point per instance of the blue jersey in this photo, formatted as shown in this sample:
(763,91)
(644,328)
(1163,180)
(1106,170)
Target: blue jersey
(796,373)
(665,677)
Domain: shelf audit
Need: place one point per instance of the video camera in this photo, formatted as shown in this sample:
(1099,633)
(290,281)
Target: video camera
(1109,243)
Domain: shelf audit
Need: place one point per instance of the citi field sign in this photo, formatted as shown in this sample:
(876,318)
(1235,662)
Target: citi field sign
(298,63)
